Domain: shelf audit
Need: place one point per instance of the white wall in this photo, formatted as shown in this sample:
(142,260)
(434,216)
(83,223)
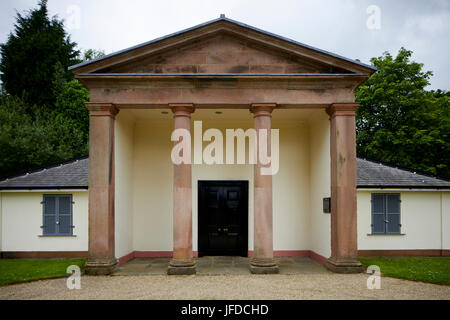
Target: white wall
(22,221)
(421,214)
(152,185)
(144,182)
(445,196)
(124,147)
(298,189)
(153,182)
(221,172)
(290,188)
(320,182)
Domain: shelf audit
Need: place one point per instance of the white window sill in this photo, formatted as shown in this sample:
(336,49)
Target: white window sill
(56,236)
(386,234)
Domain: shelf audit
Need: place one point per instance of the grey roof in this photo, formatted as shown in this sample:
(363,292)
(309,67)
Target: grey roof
(377,175)
(74,175)
(69,175)
(222,17)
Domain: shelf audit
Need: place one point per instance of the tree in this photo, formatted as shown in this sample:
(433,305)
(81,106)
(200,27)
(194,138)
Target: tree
(399,121)
(43,117)
(70,104)
(31,54)
(37,139)
(31,137)
(92,54)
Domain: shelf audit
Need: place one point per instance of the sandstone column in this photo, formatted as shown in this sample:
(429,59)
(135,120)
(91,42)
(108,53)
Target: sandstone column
(182,262)
(344,245)
(101,258)
(262,261)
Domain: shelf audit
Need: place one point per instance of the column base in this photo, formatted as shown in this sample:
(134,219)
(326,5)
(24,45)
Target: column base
(100,268)
(346,266)
(263,266)
(181,267)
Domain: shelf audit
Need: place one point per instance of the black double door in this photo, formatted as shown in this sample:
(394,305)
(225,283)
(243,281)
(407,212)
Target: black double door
(223,218)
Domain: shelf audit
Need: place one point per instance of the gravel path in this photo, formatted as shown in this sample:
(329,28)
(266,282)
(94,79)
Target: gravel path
(311,286)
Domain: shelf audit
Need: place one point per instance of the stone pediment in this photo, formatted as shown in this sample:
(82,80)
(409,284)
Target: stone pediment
(222,46)
(223,53)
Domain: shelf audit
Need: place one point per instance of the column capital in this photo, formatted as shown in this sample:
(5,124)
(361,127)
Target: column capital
(342,109)
(102,109)
(182,109)
(262,109)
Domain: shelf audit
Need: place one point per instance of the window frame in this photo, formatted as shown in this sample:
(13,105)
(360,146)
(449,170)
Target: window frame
(57,216)
(385,214)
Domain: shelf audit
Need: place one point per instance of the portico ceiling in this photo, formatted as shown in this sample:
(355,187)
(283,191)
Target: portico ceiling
(238,115)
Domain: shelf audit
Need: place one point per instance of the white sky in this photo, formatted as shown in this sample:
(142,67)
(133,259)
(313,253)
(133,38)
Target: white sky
(339,26)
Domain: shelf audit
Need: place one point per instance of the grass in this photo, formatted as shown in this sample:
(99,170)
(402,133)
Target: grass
(14,271)
(427,269)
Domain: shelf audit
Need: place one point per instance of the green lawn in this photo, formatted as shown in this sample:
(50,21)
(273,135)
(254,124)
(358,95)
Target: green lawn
(12,271)
(426,269)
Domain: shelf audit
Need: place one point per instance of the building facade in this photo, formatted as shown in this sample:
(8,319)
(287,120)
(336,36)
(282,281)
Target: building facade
(424,218)
(224,75)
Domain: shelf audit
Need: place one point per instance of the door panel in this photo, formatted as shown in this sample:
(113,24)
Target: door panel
(223,218)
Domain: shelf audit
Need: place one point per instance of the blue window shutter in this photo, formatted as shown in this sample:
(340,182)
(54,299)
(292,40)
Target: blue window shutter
(393,213)
(64,223)
(57,214)
(378,213)
(49,216)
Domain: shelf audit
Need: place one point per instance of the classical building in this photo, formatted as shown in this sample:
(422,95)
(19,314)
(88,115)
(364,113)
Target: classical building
(227,75)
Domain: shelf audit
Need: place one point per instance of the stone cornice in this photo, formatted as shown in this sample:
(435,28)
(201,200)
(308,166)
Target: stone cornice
(182,109)
(262,109)
(102,109)
(342,109)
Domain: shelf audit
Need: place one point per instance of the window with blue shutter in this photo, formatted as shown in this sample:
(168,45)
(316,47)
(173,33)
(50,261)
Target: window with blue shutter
(378,214)
(57,215)
(386,213)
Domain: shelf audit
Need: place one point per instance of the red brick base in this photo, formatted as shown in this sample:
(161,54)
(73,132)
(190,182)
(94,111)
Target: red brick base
(168,254)
(43,254)
(404,253)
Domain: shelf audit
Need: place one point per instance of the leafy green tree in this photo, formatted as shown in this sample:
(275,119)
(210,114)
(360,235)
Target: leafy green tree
(91,54)
(71,96)
(70,104)
(31,137)
(43,118)
(399,121)
(38,139)
(31,54)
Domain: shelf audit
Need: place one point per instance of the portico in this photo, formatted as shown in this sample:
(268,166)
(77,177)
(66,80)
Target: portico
(228,75)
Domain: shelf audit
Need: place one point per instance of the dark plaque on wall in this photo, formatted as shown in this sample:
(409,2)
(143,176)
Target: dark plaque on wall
(326,205)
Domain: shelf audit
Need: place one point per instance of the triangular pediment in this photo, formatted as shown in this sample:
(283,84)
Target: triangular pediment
(223,53)
(222,46)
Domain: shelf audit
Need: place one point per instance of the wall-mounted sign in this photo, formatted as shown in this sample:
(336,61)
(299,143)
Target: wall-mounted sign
(326,205)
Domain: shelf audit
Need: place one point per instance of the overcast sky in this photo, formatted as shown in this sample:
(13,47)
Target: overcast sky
(347,27)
